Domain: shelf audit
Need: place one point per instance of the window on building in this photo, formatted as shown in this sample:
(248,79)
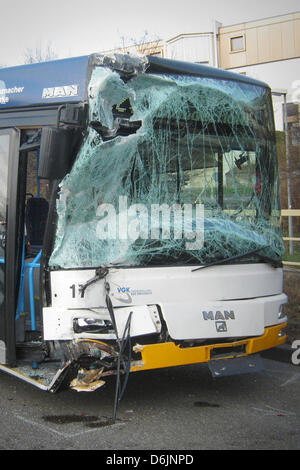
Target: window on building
(237,43)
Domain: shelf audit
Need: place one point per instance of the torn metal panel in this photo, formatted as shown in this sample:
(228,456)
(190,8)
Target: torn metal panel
(169,141)
(46,378)
(129,65)
(90,360)
(87,380)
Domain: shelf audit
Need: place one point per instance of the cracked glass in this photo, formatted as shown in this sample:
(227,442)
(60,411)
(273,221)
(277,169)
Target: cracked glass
(174,169)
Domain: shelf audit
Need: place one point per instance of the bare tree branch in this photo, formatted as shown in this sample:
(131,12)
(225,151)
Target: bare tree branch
(39,54)
(147,44)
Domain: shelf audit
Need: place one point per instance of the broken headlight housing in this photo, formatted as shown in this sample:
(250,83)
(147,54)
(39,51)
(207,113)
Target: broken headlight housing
(92,325)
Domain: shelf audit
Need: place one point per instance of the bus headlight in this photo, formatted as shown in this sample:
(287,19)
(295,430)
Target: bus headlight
(281,313)
(282,333)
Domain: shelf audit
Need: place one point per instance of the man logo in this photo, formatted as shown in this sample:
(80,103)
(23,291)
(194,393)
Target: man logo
(221,326)
(60,91)
(219,318)
(218,315)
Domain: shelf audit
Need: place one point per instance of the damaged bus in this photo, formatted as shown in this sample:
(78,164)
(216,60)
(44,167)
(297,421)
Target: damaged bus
(140,220)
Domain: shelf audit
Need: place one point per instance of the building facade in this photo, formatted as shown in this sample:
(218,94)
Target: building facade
(266,49)
(201,48)
(269,50)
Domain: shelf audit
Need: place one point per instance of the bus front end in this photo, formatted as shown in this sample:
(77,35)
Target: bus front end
(167,245)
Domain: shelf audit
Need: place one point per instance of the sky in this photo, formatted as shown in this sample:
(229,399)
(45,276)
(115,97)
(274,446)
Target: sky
(81,27)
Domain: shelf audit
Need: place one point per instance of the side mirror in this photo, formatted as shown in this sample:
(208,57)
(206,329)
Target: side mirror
(55,152)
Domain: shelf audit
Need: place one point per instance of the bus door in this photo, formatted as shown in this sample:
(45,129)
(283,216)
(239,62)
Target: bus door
(9,168)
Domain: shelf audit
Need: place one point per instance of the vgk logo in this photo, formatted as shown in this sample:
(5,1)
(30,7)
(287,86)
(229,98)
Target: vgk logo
(124,295)
(219,318)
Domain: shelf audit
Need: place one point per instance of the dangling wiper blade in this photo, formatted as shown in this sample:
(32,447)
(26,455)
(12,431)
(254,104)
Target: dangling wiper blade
(274,263)
(100,273)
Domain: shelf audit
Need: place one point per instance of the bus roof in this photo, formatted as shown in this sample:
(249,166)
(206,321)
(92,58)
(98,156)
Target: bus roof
(159,65)
(44,83)
(66,80)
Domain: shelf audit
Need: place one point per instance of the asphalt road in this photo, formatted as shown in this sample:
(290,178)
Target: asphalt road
(171,409)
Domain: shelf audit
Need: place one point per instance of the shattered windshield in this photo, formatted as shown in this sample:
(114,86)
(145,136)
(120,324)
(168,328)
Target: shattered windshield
(174,169)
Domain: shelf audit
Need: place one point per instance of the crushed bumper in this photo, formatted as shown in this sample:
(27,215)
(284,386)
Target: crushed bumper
(155,356)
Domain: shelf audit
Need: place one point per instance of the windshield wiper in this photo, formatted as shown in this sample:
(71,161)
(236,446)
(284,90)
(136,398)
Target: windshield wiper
(99,274)
(274,263)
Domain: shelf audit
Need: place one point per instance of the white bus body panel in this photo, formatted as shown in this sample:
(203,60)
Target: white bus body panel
(215,302)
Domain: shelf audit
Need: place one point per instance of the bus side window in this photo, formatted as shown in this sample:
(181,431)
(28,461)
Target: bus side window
(36,214)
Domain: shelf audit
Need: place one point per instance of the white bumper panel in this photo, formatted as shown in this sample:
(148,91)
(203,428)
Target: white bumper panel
(190,321)
(195,305)
(226,319)
(59,323)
